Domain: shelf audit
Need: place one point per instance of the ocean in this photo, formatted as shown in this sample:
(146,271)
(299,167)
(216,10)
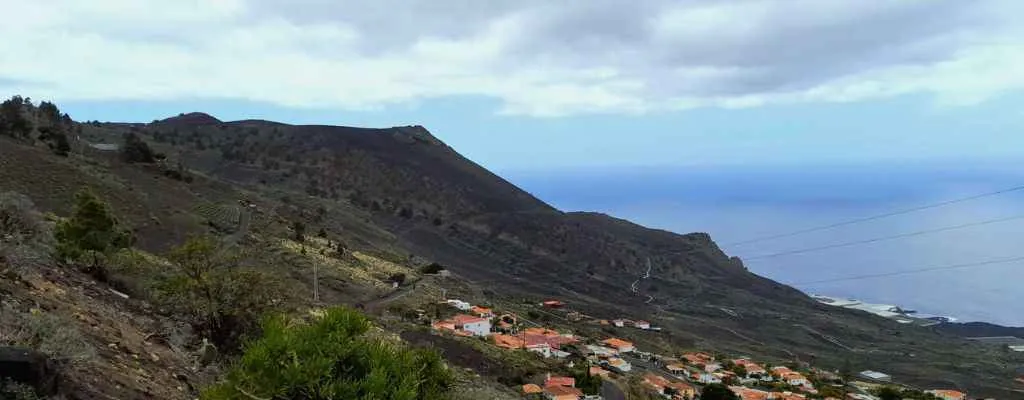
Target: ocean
(740,203)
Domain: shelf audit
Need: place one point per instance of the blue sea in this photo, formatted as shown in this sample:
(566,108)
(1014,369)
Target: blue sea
(738,203)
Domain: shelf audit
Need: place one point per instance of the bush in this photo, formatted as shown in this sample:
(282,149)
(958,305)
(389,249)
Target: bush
(717,391)
(19,220)
(220,298)
(432,268)
(45,332)
(135,150)
(91,233)
(331,358)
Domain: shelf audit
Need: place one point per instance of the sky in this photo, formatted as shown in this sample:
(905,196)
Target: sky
(535,85)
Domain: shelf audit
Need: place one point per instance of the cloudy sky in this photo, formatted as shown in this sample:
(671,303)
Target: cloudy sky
(534,85)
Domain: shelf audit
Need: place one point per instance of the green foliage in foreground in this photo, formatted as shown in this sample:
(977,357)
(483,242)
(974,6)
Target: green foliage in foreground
(717,391)
(331,358)
(91,233)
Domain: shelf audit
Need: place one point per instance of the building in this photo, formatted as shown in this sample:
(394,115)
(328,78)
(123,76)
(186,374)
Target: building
(459,304)
(482,312)
(659,384)
(875,376)
(562,393)
(598,371)
(553,304)
(619,322)
(948,394)
(705,378)
(619,345)
(698,358)
(601,351)
(559,381)
(474,325)
(619,365)
(530,388)
(642,325)
(754,370)
(543,349)
(746,393)
(676,369)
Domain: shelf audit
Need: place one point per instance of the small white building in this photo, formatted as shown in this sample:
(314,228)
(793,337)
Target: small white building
(619,322)
(543,349)
(876,376)
(475,325)
(459,304)
(706,378)
(642,325)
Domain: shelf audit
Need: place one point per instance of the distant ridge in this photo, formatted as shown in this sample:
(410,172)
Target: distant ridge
(192,118)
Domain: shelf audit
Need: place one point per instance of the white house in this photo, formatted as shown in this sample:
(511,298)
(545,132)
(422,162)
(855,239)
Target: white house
(876,376)
(475,325)
(543,349)
(459,304)
(642,325)
(619,322)
(705,378)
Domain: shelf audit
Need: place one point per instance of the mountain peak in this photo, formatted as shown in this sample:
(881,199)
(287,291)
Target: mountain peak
(192,118)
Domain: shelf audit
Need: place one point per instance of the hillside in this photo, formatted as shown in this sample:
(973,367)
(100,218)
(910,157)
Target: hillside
(401,194)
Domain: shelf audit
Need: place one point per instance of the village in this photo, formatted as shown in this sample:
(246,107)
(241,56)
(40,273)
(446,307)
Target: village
(615,362)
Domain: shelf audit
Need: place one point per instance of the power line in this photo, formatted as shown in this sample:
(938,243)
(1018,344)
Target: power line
(882,238)
(914,271)
(876,217)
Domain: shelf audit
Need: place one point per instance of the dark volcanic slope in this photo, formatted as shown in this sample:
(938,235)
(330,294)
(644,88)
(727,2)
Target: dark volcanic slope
(439,205)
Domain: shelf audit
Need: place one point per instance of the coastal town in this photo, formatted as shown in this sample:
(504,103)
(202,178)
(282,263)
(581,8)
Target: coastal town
(617,362)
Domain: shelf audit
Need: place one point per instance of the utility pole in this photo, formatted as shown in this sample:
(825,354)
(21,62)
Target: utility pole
(316,281)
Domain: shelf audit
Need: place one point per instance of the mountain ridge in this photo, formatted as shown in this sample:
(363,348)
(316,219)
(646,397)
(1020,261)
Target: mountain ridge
(402,191)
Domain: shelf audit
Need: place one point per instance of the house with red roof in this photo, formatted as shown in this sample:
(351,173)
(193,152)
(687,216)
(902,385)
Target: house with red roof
(754,370)
(559,381)
(482,312)
(746,393)
(948,394)
(699,359)
(466,325)
(620,345)
(562,393)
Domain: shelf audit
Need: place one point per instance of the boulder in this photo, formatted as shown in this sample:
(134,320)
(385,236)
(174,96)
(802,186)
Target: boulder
(29,367)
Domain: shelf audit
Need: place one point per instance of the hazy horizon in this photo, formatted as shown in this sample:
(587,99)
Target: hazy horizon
(737,204)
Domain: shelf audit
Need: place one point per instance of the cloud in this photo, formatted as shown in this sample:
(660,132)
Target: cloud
(538,58)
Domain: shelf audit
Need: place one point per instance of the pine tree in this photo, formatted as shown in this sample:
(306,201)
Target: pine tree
(91,232)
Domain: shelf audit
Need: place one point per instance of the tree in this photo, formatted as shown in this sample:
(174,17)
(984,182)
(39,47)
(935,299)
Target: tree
(331,357)
(92,232)
(739,370)
(322,233)
(717,391)
(135,150)
(888,393)
(221,299)
(589,384)
(12,117)
(299,231)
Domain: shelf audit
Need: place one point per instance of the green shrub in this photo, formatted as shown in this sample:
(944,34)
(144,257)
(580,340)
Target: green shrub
(91,233)
(331,358)
(222,299)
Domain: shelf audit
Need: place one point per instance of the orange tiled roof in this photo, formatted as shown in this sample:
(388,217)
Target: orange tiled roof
(508,341)
(530,388)
(461,319)
(748,393)
(598,371)
(559,391)
(617,343)
(560,381)
(481,310)
(949,394)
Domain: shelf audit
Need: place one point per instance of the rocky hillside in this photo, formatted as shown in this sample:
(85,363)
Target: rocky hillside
(399,194)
